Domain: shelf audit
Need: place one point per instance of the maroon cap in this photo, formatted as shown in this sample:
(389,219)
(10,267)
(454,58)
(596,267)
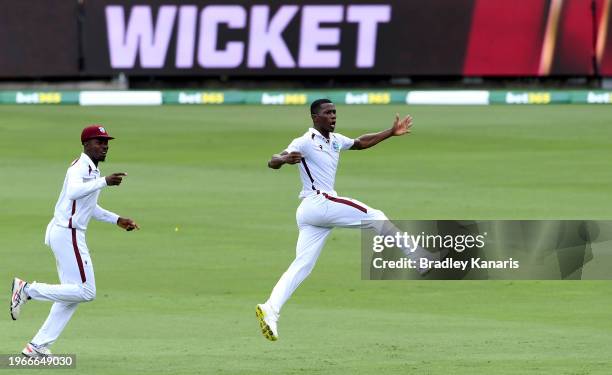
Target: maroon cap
(94,131)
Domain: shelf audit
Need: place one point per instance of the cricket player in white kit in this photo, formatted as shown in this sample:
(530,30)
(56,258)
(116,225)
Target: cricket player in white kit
(77,204)
(318,152)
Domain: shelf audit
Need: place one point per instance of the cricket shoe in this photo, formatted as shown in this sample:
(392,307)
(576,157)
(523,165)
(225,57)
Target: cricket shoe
(18,297)
(267,321)
(36,351)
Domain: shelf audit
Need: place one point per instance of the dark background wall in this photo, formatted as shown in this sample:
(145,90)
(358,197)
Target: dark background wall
(535,38)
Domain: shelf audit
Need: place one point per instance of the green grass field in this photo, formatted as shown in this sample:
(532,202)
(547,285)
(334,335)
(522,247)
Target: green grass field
(218,229)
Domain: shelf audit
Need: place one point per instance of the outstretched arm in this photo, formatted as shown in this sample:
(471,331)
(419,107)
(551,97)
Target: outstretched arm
(77,189)
(103,215)
(400,127)
(284,157)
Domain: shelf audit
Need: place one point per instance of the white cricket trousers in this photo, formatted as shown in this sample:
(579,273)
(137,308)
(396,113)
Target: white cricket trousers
(76,275)
(316,216)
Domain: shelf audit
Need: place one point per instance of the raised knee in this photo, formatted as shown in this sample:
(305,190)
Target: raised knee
(88,293)
(378,215)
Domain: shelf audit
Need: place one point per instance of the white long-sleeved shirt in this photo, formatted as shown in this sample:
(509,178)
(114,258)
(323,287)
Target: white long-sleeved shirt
(78,201)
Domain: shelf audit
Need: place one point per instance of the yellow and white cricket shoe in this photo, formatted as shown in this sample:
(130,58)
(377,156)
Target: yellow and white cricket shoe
(18,297)
(36,351)
(267,321)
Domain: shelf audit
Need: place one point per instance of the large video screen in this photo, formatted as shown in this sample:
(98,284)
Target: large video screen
(283,38)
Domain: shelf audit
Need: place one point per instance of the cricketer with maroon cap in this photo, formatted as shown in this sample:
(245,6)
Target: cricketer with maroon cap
(94,131)
(77,204)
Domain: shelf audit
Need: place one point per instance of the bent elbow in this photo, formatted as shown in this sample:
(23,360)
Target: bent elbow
(273,165)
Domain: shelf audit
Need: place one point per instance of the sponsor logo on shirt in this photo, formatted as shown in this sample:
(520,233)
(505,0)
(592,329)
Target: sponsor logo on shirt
(336,146)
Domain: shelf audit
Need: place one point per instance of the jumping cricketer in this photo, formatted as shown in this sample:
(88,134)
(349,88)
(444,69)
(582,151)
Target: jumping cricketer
(317,152)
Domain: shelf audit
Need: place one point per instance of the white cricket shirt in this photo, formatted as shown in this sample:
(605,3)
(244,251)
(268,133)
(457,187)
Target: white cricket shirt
(78,201)
(320,158)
